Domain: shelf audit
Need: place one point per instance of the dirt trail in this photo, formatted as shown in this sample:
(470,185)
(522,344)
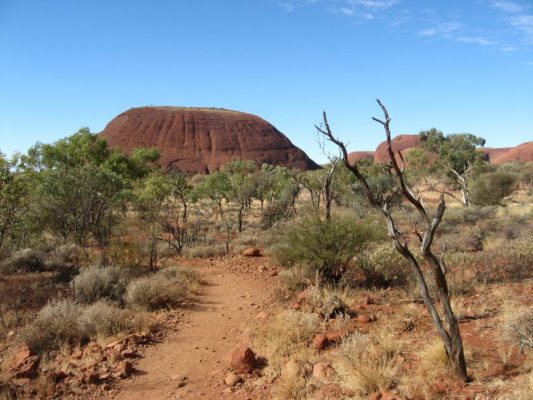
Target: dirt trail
(196,349)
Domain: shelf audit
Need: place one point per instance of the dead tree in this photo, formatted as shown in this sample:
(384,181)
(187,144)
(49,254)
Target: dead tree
(462,182)
(446,326)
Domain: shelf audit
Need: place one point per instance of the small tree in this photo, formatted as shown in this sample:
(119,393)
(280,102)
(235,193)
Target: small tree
(457,155)
(242,185)
(448,329)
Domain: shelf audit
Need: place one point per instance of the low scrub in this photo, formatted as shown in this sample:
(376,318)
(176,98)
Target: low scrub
(518,326)
(104,319)
(65,322)
(97,283)
(171,287)
(25,260)
(205,251)
(55,325)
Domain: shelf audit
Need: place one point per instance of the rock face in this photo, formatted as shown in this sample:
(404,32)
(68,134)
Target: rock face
(200,140)
(520,153)
(399,143)
(355,156)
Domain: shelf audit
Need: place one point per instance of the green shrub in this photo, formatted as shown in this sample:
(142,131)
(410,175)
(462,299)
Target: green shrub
(325,246)
(97,283)
(491,188)
(388,263)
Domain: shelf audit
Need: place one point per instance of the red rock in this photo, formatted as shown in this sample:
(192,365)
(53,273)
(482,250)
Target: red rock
(320,341)
(25,364)
(322,371)
(389,396)
(324,340)
(336,337)
(241,359)
(124,369)
(231,379)
(364,319)
(128,353)
(251,252)
(201,140)
(520,153)
(399,143)
(27,368)
(356,156)
(375,396)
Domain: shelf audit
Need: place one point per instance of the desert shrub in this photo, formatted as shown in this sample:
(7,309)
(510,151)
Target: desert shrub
(518,326)
(388,263)
(106,319)
(170,287)
(243,241)
(185,274)
(25,260)
(297,277)
(205,251)
(56,324)
(287,335)
(65,262)
(97,283)
(491,188)
(365,364)
(325,246)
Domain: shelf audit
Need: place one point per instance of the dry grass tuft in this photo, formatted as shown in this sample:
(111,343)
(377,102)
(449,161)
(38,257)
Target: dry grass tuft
(365,365)
(286,335)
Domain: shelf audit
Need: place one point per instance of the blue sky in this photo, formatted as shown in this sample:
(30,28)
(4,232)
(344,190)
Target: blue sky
(461,66)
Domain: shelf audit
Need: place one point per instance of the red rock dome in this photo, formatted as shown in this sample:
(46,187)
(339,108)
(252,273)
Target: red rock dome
(520,153)
(200,140)
(399,143)
(355,156)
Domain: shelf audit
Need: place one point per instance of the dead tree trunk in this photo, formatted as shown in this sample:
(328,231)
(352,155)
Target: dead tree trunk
(328,188)
(448,329)
(462,181)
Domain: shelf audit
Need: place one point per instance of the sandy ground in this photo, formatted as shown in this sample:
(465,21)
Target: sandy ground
(189,364)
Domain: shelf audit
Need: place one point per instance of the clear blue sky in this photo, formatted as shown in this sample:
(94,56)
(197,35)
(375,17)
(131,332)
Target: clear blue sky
(458,65)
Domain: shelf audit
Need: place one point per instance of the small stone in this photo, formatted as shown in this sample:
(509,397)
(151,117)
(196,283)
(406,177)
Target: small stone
(322,371)
(241,359)
(232,379)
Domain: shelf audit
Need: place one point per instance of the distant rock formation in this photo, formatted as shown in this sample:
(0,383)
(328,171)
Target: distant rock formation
(405,143)
(399,143)
(355,156)
(200,140)
(520,153)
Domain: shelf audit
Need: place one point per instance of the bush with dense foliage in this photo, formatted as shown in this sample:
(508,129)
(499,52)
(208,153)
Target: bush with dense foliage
(326,246)
(492,187)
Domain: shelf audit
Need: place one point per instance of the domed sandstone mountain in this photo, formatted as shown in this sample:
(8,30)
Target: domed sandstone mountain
(520,153)
(201,140)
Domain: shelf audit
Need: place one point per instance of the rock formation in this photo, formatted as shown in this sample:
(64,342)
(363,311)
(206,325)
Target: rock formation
(399,143)
(355,156)
(520,153)
(200,140)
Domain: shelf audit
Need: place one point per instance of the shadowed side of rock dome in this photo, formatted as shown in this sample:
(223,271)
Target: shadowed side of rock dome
(201,140)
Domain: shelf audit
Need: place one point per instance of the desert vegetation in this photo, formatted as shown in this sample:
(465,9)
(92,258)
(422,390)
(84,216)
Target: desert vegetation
(409,279)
